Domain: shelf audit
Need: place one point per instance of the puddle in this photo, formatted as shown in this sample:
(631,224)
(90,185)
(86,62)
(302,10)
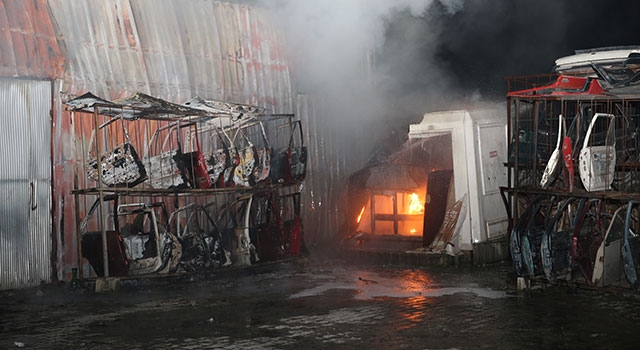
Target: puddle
(370,285)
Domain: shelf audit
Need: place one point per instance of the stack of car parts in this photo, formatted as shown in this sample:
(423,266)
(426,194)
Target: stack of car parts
(574,239)
(574,230)
(229,173)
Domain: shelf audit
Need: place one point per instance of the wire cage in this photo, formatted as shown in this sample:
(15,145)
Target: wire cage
(573,173)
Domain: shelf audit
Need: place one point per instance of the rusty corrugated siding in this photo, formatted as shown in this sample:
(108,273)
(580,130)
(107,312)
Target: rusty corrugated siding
(174,50)
(28,46)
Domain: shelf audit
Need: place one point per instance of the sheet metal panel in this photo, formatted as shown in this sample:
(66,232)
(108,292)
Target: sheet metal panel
(28,45)
(174,50)
(329,165)
(101,46)
(25,183)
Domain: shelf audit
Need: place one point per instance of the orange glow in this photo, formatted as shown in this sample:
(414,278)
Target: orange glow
(415,205)
(360,216)
(391,212)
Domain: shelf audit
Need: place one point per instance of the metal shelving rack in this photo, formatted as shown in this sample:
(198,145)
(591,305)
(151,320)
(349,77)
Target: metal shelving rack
(145,114)
(535,131)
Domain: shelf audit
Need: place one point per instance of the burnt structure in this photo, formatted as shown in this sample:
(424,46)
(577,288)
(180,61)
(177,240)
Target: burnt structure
(181,188)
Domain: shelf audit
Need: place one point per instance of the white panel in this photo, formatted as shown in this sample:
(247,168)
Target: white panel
(491,153)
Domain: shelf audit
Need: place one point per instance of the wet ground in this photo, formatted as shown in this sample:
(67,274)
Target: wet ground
(319,303)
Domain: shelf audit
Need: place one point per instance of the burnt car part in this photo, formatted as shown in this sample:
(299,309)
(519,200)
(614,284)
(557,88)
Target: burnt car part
(150,247)
(289,164)
(92,248)
(140,246)
(120,166)
(200,237)
(172,167)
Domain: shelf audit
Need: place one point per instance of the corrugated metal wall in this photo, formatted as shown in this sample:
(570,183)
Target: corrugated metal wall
(328,169)
(175,50)
(172,49)
(25,183)
(28,44)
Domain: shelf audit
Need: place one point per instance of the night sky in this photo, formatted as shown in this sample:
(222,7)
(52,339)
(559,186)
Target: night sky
(491,39)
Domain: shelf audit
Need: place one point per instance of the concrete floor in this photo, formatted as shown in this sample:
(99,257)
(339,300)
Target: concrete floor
(321,302)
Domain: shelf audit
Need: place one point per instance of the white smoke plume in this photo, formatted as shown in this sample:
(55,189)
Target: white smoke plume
(337,46)
(335,43)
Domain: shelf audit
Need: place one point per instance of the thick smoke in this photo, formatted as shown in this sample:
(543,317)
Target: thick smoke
(342,53)
(379,65)
(389,62)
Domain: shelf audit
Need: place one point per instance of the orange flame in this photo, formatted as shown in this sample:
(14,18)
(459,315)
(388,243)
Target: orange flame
(415,205)
(360,215)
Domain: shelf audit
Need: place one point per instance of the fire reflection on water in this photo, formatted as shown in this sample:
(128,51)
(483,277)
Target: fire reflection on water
(412,286)
(414,310)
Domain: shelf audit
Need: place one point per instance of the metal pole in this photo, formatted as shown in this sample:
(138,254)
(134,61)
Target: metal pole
(102,216)
(76,196)
(373,213)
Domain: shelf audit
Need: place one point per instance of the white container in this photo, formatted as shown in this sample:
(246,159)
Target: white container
(479,151)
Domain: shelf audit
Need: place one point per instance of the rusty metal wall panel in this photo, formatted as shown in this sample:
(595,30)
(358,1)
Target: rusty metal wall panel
(162,48)
(28,45)
(25,183)
(101,46)
(174,50)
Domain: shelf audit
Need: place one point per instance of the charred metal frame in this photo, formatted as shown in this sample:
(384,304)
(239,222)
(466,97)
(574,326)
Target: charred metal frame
(143,108)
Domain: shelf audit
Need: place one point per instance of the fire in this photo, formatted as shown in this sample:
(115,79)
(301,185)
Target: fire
(360,215)
(415,205)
